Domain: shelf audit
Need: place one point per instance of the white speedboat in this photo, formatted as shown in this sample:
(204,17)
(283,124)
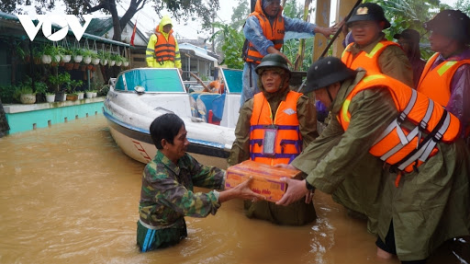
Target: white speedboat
(137,96)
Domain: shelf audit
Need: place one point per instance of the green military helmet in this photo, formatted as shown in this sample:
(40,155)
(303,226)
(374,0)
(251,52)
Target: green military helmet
(273,60)
(369,12)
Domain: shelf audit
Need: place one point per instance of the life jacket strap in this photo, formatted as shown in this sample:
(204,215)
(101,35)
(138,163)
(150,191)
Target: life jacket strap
(424,150)
(409,106)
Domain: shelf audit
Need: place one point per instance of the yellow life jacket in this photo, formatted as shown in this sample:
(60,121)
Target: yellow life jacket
(287,143)
(405,150)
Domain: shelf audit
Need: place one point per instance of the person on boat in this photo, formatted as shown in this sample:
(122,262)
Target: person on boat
(408,39)
(426,191)
(162,48)
(370,50)
(167,187)
(446,77)
(213,87)
(272,128)
(264,31)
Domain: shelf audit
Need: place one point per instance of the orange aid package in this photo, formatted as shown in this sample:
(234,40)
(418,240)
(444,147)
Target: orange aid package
(266,178)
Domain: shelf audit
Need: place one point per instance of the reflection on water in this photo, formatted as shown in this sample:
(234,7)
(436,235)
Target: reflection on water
(68,194)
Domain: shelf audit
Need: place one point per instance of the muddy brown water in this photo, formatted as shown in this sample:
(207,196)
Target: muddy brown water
(69,195)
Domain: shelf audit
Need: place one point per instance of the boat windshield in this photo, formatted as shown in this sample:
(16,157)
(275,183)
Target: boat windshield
(233,79)
(153,80)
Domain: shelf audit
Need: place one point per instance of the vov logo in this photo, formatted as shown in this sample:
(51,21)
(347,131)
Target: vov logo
(46,23)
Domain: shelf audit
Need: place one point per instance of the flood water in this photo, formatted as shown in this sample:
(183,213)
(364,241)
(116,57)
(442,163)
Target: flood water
(69,195)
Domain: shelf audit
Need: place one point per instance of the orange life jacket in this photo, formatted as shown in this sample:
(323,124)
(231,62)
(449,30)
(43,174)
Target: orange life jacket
(274,32)
(368,61)
(436,83)
(165,50)
(398,146)
(288,141)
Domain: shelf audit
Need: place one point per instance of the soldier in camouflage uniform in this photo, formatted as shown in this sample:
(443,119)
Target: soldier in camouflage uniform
(167,187)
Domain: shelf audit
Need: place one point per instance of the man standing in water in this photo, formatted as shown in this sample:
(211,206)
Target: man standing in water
(426,188)
(264,32)
(273,127)
(167,187)
(370,50)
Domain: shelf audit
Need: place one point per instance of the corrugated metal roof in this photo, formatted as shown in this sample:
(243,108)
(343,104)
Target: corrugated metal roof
(99,26)
(197,51)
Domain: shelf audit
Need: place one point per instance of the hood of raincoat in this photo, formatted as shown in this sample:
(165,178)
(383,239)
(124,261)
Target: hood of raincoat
(165,21)
(259,8)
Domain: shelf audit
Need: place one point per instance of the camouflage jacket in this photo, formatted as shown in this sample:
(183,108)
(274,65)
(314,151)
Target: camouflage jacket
(167,191)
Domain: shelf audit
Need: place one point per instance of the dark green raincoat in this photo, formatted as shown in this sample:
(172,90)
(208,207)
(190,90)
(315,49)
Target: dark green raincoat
(427,208)
(298,213)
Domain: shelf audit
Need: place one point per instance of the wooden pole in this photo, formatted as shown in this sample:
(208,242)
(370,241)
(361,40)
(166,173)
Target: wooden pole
(300,56)
(343,8)
(322,18)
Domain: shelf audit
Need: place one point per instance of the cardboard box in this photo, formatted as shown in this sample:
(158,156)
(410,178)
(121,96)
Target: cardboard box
(266,178)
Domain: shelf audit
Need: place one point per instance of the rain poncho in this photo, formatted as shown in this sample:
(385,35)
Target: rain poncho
(298,213)
(427,208)
(150,53)
(459,102)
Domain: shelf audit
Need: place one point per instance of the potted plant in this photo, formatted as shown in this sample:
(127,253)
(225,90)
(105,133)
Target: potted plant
(50,97)
(117,59)
(46,53)
(7,93)
(65,54)
(104,57)
(56,54)
(25,94)
(113,59)
(95,59)
(72,86)
(125,62)
(89,94)
(56,81)
(87,56)
(41,90)
(77,55)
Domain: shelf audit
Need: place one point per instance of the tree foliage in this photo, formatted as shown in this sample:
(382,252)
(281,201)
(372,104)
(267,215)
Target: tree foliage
(291,47)
(404,14)
(231,46)
(181,9)
(229,38)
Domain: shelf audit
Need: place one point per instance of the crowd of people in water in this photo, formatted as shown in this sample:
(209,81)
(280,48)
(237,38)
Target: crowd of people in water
(395,150)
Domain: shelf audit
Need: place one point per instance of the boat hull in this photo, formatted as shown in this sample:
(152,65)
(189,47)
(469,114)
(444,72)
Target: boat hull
(138,145)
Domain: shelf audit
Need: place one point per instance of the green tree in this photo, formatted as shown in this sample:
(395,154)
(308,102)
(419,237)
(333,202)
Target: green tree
(231,46)
(239,14)
(464,6)
(291,47)
(181,9)
(229,38)
(404,14)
